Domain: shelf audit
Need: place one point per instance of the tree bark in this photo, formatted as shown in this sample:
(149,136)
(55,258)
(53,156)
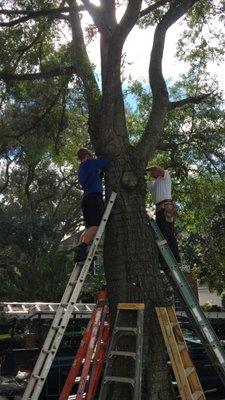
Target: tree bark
(133,273)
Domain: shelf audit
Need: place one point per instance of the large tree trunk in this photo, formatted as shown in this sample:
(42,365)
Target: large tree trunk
(133,273)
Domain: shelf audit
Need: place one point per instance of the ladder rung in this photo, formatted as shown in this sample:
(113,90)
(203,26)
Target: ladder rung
(77,379)
(182,346)
(189,370)
(131,306)
(197,395)
(36,376)
(55,328)
(161,242)
(125,329)
(72,283)
(122,353)
(46,351)
(120,379)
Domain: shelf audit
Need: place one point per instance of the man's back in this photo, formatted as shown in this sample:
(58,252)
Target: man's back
(160,188)
(89,174)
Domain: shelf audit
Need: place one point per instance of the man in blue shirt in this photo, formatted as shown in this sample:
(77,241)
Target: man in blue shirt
(89,177)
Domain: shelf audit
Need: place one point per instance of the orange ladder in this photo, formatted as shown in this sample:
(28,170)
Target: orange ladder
(90,355)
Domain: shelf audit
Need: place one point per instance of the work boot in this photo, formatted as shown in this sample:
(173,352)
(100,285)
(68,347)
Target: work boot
(80,252)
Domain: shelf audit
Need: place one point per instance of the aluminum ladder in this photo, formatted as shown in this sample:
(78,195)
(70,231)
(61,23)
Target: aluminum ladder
(195,313)
(63,313)
(129,322)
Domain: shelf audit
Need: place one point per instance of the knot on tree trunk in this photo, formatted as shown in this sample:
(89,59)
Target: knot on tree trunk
(129,180)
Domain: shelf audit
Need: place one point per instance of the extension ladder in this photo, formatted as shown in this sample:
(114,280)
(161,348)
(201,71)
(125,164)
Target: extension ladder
(201,324)
(32,311)
(184,371)
(90,355)
(63,314)
(129,321)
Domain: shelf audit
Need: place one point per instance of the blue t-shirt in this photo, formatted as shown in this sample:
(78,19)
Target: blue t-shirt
(89,174)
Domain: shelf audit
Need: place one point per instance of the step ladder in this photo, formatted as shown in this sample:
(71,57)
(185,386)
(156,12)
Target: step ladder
(129,321)
(185,373)
(196,315)
(90,355)
(63,314)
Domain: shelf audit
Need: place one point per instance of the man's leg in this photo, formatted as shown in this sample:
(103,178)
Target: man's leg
(93,210)
(88,235)
(167,229)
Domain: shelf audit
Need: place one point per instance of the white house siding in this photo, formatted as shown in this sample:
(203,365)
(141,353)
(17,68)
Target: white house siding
(206,296)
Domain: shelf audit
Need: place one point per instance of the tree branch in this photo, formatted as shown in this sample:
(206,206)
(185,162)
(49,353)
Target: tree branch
(29,180)
(84,70)
(5,184)
(31,12)
(57,71)
(189,100)
(109,8)
(113,123)
(41,117)
(160,105)
(100,18)
(128,20)
(28,14)
(153,7)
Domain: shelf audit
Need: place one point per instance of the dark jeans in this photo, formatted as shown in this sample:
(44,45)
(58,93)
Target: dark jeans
(167,229)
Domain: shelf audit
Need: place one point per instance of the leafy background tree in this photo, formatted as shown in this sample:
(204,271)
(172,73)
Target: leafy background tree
(40,200)
(193,149)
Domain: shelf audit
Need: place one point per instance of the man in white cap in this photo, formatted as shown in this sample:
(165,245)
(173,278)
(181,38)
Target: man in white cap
(160,190)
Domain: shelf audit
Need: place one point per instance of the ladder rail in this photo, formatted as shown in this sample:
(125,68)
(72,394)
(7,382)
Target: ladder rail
(50,337)
(89,346)
(62,316)
(101,347)
(139,346)
(78,360)
(201,324)
(188,384)
(103,388)
(89,355)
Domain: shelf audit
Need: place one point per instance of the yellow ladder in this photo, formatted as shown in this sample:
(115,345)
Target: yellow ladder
(185,373)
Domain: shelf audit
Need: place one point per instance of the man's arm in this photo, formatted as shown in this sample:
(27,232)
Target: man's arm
(101,162)
(161,171)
